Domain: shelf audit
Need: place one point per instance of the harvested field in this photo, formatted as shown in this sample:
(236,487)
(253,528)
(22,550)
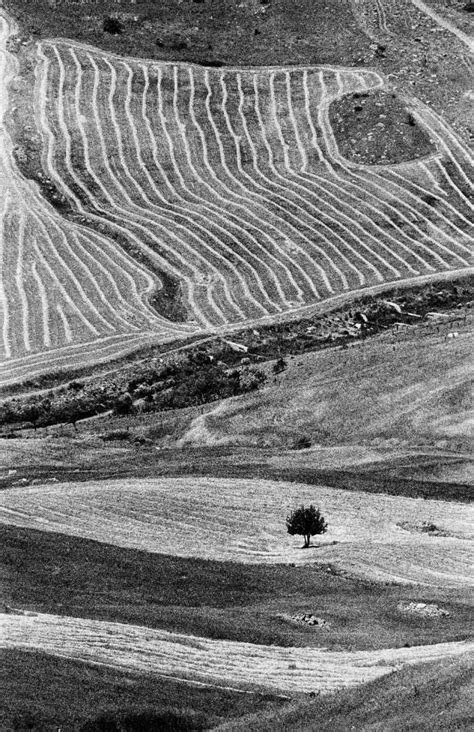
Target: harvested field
(224,664)
(245,521)
(223,187)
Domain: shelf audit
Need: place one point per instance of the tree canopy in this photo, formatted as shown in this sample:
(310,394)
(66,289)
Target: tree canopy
(306,522)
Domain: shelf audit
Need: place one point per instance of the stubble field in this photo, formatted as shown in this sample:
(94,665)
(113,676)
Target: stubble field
(373,536)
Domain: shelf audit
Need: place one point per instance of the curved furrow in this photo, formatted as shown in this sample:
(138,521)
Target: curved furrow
(153,216)
(369,176)
(384,186)
(271,154)
(308,197)
(349,221)
(304,162)
(268,189)
(65,323)
(346,191)
(433,187)
(176,211)
(450,183)
(52,143)
(135,212)
(223,301)
(199,198)
(196,205)
(12,335)
(193,212)
(431,254)
(4,304)
(20,284)
(59,281)
(305,182)
(50,146)
(208,179)
(115,220)
(252,231)
(362,175)
(237,200)
(284,258)
(268,199)
(62,251)
(124,305)
(45,307)
(296,215)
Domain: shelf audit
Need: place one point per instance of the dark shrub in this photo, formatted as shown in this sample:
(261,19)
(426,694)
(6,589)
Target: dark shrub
(112,26)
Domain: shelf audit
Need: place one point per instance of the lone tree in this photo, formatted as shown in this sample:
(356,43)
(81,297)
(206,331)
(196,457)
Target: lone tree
(306,522)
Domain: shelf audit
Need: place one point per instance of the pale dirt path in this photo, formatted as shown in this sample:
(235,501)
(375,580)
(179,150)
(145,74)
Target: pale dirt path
(228,664)
(244,520)
(444,23)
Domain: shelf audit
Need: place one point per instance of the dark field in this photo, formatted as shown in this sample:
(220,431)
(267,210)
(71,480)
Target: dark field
(212,32)
(48,693)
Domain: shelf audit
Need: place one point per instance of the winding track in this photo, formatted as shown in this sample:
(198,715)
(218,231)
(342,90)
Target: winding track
(444,23)
(229,180)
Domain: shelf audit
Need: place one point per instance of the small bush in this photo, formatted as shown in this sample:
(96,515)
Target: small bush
(112,26)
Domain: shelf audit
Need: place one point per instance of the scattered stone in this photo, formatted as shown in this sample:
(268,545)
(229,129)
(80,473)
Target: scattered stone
(422,609)
(423,527)
(307,619)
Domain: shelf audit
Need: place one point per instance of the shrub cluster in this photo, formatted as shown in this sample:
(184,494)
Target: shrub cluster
(195,379)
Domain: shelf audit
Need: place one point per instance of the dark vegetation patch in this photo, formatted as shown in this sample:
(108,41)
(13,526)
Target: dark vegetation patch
(220,368)
(66,575)
(46,693)
(376,128)
(230,32)
(191,379)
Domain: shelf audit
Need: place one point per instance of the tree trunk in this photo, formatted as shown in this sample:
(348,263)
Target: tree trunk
(306,540)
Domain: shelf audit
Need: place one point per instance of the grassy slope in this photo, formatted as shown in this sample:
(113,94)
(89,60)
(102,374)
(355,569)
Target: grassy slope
(48,693)
(413,390)
(59,574)
(428,697)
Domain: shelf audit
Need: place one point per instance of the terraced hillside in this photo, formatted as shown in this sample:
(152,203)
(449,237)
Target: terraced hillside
(229,182)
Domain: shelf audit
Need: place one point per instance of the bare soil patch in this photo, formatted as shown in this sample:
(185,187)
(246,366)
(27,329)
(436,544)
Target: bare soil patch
(378,129)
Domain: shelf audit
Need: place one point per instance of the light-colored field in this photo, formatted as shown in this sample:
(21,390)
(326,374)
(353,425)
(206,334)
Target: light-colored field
(244,520)
(225,664)
(228,180)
